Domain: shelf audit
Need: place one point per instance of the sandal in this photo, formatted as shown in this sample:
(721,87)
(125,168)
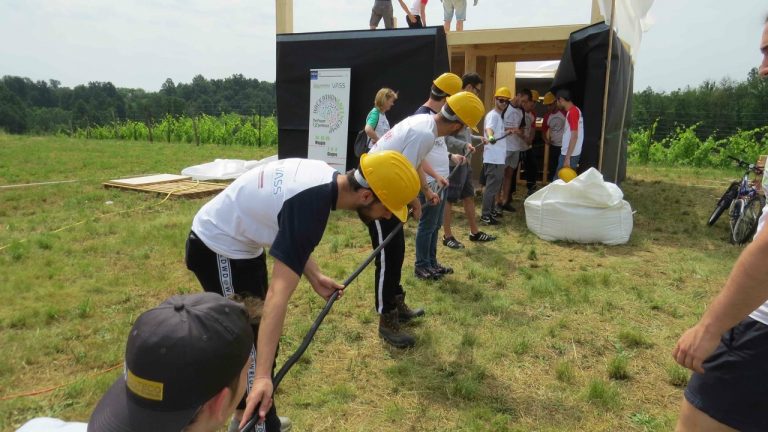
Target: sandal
(452,243)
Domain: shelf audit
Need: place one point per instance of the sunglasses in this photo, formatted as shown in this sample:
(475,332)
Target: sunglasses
(504,101)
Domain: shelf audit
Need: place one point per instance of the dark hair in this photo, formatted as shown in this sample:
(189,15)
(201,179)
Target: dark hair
(355,185)
(564,94)
(526,92)
(471,78)
(436,94)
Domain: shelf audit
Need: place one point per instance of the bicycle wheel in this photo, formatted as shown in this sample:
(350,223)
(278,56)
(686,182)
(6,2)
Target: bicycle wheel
(724,203)
(745,224)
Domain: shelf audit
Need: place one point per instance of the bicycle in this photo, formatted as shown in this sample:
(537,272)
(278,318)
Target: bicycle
(744,204)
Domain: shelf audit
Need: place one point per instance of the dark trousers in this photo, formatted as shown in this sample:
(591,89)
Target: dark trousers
(226,276)
(389,263)
(530,171)
(417,24)
(554,153)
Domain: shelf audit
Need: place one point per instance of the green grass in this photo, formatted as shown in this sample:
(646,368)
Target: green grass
(518,339)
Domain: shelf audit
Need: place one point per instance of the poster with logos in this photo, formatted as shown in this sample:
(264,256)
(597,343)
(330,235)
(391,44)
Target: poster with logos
(329,116)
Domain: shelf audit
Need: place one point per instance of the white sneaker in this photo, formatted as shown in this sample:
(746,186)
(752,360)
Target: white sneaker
(285,424)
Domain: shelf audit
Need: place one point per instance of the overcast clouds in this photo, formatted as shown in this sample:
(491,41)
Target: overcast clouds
(141,43)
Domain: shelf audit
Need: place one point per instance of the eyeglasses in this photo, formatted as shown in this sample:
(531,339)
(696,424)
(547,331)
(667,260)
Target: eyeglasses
(475,89)
(503,101)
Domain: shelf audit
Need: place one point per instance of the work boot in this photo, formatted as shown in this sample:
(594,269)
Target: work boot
(405,313)
(389,329)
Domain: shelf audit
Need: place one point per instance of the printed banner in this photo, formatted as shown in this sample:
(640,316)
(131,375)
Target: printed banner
(329,116)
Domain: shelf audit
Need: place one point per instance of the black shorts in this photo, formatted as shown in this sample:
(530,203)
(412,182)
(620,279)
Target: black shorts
(226,276)
(734,387)
(460,184)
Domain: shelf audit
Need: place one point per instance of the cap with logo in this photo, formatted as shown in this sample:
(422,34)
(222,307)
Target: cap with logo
(178,356)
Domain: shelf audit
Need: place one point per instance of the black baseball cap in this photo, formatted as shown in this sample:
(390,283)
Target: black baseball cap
(178,356)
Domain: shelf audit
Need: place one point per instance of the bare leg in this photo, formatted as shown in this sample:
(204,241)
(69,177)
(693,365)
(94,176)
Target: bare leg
(506,185)
(447,219)
(459,25)
(469,211)
(691,419)
(447,26)
(373,27)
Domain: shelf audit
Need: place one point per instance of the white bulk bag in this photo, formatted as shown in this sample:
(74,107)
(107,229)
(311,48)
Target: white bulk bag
(223,169)
(585,210)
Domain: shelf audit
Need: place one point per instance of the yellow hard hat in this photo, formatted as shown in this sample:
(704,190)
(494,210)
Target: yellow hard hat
(467,107)
(549,98)
(449,83)
(392,178)
(534,95)
(503,92)
(566,174)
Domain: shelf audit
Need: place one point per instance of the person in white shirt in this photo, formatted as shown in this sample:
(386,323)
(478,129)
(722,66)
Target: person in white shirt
(552,129)
(284,206)
(573,134)
(728,348)
(495,154)
(419,14)
(414,137)
(514,123)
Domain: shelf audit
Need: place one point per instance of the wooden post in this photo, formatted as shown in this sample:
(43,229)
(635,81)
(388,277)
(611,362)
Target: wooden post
(260,126)
(149,127)
(607,83)
(194,128)
(284,16)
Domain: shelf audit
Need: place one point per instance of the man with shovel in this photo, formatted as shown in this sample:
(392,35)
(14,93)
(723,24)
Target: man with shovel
(285,206)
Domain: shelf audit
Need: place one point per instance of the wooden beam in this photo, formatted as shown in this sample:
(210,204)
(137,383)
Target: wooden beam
(597,17)
(512,35)
(470,59)
(283,16)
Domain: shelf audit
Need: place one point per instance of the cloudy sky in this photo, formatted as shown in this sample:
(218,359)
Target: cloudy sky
(140,43)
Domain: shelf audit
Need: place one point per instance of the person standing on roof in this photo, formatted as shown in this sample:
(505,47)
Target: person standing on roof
(459,7)
(418,11)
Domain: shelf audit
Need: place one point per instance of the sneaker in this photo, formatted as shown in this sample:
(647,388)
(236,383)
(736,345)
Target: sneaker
(452,243)
(286,425)
(508,207)
(425,273)
(481,237)
(498,214)
(443,270)
(489,220)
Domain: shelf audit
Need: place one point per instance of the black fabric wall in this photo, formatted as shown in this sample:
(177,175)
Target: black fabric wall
(582,71)
(406,60)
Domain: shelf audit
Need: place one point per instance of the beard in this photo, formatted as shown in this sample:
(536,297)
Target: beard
(364,213)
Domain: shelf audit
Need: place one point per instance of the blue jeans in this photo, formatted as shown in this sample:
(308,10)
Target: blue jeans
(429,231)
(561,161)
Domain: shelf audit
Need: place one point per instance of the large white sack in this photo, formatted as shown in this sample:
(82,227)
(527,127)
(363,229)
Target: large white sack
(223,169)
(586,210)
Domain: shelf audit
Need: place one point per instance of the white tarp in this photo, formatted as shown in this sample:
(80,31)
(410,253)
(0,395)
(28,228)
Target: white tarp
(631,20)
(585,210)
(223,169)
(537,69)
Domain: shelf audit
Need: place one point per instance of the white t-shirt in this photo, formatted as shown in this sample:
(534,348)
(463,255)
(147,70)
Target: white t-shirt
(513,117)
(416,6)
(438,157)
(495,153)
(414,137)
(573,120)
(283,205)
(556,126)
(48,424)
(761,313)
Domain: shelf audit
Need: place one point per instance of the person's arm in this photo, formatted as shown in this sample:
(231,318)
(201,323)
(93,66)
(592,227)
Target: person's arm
(573,124)
(745,290)
(423,11)
(323,285)
(371,133)
(408,13)
(430,196)
(456,144)
(282,286)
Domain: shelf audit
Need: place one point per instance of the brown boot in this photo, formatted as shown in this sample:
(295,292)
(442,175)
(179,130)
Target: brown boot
(389,330)
(406,313)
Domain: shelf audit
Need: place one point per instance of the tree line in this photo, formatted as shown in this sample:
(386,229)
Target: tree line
(716,109)
(43,107)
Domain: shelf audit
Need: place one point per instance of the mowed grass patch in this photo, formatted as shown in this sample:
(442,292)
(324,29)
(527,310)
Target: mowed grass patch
(525,335)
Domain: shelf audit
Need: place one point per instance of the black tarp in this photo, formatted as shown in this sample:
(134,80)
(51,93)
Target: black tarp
(582,70)
(406,60)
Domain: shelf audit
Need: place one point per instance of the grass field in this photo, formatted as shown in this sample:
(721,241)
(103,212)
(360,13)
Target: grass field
(527,335)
